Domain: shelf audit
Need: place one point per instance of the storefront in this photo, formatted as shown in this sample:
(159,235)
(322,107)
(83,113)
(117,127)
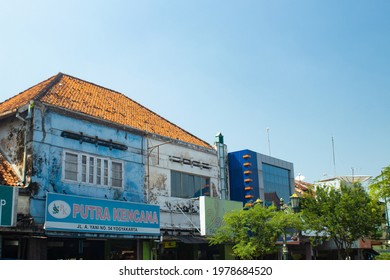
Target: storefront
(87,228)
(78,227)
(190,247)
(93,248)
(9,244)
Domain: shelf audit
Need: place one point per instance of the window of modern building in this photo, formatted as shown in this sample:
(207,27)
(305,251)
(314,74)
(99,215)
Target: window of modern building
(90,169)
(277,179)
(185,185)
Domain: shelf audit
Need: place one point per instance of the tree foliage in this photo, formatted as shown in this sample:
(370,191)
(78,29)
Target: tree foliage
(343,214)
(254,232)
(286,221)
(383,256)
(380,185)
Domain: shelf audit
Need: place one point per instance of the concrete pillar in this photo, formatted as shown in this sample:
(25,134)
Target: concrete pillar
(36,249)
(309,252)
(139,250)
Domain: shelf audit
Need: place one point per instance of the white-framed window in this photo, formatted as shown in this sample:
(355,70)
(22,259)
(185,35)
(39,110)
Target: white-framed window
(93,170)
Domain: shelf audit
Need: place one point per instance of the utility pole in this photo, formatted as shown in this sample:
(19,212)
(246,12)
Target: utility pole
(334,158)
(269,142)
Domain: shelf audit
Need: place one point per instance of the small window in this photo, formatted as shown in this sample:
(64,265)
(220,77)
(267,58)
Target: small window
(71,166)
(91,169)
(116,174)
(99,171)
(105,172)
(84,169)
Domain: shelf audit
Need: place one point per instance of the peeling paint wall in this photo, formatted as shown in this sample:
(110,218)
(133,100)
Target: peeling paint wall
(48,159)
(177,213)
(147,174)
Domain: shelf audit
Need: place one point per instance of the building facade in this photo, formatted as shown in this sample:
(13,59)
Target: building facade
(335,182)
(255,176)
(99,176)
(176,176)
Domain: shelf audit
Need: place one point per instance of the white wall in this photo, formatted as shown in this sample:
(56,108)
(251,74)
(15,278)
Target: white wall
(176,213)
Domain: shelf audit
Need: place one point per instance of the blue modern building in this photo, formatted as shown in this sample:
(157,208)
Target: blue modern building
(253,175)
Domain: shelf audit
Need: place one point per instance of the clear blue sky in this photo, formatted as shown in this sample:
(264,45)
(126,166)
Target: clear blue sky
(307,70)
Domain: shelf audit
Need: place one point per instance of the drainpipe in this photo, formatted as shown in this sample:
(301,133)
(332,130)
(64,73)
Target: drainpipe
(26,122)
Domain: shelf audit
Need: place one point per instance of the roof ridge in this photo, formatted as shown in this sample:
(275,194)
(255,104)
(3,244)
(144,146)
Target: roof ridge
(22,98)
(103,87)
(56,79)
(12,97)
(130,113)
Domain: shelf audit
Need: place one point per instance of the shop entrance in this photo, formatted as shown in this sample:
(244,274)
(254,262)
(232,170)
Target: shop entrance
(10,248)
(122,249)
(76,249)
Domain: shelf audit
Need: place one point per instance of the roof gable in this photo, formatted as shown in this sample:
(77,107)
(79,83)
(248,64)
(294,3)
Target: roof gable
(17,101)
(73,94)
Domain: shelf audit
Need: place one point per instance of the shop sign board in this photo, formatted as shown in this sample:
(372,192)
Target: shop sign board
(8,206)
(169,244)
(90,215)
(212,211)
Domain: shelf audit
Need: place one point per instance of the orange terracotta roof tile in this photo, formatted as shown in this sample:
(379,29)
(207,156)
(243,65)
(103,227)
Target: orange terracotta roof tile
(7,176)
(301,186)
(13,103)
(80,96)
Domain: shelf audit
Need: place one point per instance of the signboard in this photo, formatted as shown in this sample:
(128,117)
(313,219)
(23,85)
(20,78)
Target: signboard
(89,215)
(8,206)
(169,244)
(212,211)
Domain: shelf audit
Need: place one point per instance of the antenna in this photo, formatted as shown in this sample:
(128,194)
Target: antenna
(300,177)
(269,143)
(334,158)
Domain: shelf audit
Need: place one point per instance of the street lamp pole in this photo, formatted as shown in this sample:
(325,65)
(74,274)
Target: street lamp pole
(284,247)
(384,184)
(294,201)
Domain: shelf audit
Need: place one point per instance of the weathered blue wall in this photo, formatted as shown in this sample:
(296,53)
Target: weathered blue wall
(48,150)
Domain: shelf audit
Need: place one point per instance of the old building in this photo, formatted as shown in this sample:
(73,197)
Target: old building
(99,176)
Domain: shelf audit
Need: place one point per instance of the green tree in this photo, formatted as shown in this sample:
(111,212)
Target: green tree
(383,256)
(380,185)
(286,221)
(380,188)
(254,232)
(343,214)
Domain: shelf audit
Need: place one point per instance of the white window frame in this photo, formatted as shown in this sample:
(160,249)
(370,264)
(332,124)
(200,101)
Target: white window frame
(88,173)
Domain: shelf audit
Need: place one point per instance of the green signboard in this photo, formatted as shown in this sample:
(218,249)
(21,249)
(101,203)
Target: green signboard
(212,211)
(8,196)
